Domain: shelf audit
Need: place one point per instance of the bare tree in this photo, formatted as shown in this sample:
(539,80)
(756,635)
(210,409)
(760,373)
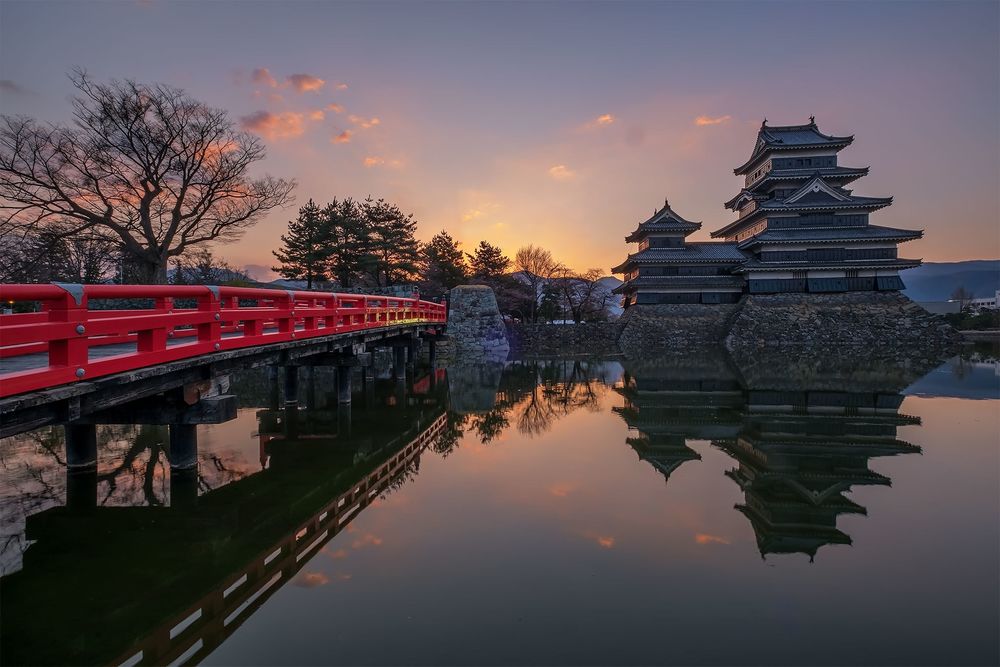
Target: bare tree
(963,296)
(144,163)
(582,294)
(537,267)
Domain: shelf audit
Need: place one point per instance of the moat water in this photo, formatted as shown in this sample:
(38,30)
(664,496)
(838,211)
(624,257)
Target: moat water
(690,509)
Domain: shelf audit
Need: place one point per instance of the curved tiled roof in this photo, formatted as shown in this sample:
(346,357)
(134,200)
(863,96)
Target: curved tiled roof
(699,282)
(786,137)
(692,253)
(757,265)
(832,234)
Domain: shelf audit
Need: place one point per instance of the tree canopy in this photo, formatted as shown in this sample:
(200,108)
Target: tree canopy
(307,247)
(146,165)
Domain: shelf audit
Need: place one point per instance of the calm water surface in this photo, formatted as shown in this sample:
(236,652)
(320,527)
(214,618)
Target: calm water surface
(692,509)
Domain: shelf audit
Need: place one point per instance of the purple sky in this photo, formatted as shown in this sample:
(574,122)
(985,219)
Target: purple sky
(559,124)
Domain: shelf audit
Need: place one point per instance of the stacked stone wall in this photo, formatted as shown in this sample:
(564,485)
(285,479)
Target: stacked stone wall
(860,320)
(547,340)
(475,327)
(674,326)
(886,321)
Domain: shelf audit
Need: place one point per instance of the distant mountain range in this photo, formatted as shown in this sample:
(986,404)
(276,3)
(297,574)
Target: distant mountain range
(937,281)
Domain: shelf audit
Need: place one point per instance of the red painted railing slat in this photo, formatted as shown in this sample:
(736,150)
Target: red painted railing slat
(66,328)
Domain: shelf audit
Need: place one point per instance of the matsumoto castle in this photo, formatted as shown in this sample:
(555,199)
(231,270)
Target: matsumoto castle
(797,229)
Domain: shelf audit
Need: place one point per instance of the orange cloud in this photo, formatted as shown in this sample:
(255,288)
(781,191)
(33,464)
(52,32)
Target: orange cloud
(704,538)
(341,86)
(311,579)
(376,161)
(606,542)
(343,138)
(263,77)
(561,172)
(367,540)
(708,120)
(305,83)
(335,108)
(560,490)
(365,123)
(274,126)
(316,115)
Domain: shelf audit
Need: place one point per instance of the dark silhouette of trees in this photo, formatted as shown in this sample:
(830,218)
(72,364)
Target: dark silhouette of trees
(537,267)
(487,262)
(350,255)
(443,264)
(391,242)
(47,255)
(144,164)
(307,247)
(582,295)
(201,267)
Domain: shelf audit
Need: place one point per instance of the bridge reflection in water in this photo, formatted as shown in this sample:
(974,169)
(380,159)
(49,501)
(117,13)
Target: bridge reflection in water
(167,584)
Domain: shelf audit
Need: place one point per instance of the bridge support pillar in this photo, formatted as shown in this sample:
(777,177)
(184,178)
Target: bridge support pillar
(399,361)
(183,447)
(344,418)
(273,388)
(81,489)
(183,488)
(432,353)
(81,447)
(291,384)
(310,372)
(344,385)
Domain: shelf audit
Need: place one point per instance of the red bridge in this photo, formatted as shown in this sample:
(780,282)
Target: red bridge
(84,340)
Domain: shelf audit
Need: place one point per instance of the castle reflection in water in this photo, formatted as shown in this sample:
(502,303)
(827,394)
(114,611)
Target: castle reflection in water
(206,552)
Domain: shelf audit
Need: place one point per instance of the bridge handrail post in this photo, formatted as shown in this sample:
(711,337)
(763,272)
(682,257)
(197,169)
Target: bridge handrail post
(155,339)
(210,331)
(72,350)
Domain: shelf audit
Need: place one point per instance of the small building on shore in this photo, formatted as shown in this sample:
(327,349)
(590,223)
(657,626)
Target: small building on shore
(798,229)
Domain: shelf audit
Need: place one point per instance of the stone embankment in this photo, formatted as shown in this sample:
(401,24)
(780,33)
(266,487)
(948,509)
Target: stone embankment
(861,320)
(550,340)
(781,322)
(475,328)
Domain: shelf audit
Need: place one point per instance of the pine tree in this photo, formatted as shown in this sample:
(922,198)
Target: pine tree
(391,241)
(351,257)
(307,247)
(488,261)
(444,263)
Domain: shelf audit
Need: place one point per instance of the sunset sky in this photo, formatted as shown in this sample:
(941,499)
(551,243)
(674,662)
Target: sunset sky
(562,125)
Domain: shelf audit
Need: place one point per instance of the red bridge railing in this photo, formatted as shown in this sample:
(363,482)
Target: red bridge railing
(202,321)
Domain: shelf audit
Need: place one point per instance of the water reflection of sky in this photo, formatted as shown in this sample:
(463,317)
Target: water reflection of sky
(542,532)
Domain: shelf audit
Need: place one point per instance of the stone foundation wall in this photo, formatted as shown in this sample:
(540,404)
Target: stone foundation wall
(475,327)
(547,340)
(850,320)
(792,322)
(674,326)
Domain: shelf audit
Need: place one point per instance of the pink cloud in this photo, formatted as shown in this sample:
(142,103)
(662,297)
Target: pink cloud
(364,123)
(376,161)
(316,115)
(705,538)
(263,77)
(561,172)
(709,120)
(341,86)
(305,83)
(311,579)
(334,107)
(343,138)
(274,126)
